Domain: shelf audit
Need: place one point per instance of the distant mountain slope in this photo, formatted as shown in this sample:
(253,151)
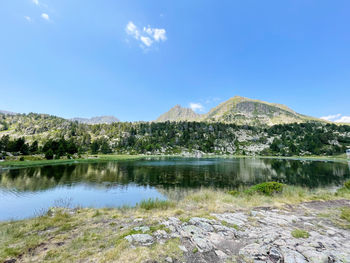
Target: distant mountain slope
(97,120)
(7,112)
(179,113)
(240,110)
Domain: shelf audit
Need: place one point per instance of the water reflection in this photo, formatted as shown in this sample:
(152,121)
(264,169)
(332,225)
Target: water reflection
(24,191)
(219,173)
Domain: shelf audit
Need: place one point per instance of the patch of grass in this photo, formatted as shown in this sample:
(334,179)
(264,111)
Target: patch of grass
(156,204)
(268,188)
(233,192)
(224,223)
(299,233)
(347,184)
(97,213)
(159,227)
(345,214)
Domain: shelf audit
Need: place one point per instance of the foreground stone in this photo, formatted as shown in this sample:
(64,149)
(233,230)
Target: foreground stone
(261,235)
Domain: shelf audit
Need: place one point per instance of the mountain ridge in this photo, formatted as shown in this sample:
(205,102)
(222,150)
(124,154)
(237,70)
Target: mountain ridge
(97,120)
(242,111)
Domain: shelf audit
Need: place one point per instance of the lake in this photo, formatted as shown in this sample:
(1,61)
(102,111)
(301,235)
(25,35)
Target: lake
(27,192)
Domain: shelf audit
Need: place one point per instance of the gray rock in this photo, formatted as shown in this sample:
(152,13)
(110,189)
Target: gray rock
(202,223)
(141,239)
(238,219)
(275,255)
(202,244)
(183,248)
(191,230)
(143,229)
(221,254)
(169,259)
(292,256)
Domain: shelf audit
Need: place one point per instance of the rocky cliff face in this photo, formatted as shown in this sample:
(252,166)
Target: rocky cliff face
(179,113)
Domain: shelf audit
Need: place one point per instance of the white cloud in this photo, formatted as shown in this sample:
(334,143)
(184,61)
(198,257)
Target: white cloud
(343,119)
(28,18)
(36,2)
(331,117)
(132,30)
(336,118)
(147,41)
(158,34)
(148,36)
(45,16)
(196,106)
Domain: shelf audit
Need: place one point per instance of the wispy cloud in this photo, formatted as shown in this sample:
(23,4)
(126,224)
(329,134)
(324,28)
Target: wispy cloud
(36,2)
(28,18)
(147,36)
(45,16)
(336,118)
(196,106)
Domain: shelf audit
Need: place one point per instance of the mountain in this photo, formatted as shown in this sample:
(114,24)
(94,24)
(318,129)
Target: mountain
(179,113)
(7,112)
(97,120)
(244,111)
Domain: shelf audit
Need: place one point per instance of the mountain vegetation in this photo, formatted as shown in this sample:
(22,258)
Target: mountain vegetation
(54,137)
(241,111)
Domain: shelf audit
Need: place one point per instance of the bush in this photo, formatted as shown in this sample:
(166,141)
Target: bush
(21,159)
(49,155)
(347,184)
(268,188)
(156,204)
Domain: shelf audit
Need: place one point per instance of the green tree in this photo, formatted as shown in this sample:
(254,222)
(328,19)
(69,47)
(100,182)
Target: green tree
(49,155)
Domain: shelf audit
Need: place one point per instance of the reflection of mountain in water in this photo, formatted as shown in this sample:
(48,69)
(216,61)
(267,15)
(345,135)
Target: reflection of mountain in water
(177,173)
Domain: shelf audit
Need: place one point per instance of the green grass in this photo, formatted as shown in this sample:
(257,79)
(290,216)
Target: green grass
(268,188)
(299,233)
(345,214)
(347,184)
(156,204)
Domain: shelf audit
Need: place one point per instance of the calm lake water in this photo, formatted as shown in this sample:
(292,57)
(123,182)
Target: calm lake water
(28,191)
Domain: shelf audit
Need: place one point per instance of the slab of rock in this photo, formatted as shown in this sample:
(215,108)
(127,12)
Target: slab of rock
(238,219)
(140,239)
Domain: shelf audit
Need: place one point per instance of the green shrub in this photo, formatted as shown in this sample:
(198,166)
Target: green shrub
(233,192)
(268,188)
(156,204)
(347,184)
(299,233)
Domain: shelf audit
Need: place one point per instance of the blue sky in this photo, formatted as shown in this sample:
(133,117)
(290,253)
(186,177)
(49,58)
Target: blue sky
(136,59)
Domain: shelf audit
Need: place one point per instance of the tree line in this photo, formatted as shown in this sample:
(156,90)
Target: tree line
(67,138)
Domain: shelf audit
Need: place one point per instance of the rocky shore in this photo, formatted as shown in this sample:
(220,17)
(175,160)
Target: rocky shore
(260,235)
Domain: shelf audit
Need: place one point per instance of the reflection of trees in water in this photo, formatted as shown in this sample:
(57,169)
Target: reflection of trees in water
(221,173)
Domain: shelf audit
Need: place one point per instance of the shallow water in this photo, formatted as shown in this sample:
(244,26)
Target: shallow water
(26,192)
